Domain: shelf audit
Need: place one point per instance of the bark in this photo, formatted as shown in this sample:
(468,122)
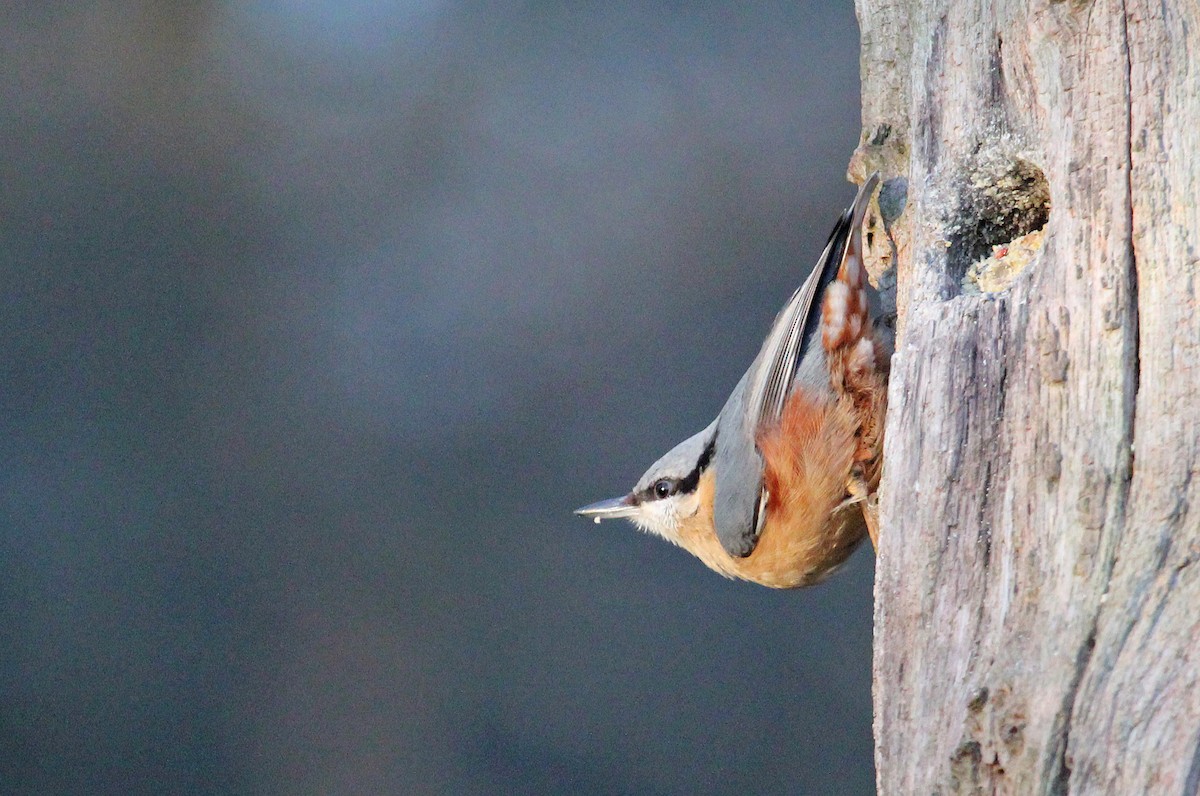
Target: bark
(1037,596)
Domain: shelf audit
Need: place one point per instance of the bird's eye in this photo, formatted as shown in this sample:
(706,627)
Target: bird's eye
(662,488)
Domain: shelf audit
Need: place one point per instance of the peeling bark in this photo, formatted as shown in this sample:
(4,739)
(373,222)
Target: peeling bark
(1037,599)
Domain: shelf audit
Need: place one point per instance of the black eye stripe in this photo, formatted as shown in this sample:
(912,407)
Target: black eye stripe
(692,481)
(685,485)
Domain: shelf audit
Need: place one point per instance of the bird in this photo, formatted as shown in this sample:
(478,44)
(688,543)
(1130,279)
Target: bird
(775,489)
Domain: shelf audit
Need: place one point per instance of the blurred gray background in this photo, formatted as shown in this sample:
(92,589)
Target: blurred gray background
(317,319)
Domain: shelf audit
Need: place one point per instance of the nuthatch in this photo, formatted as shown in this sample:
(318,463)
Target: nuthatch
(774,489)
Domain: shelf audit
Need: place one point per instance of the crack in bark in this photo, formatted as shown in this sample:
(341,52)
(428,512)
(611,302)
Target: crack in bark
(1135,371)
(1192,783)
(1060,779)
(1001,358)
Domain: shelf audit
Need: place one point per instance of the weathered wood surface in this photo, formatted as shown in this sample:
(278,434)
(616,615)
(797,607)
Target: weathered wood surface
(1037,599)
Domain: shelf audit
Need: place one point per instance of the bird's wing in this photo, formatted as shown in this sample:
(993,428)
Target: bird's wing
(759,399)
(796,328)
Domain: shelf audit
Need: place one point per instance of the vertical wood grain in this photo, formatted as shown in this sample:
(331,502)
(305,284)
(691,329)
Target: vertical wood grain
(1037,597)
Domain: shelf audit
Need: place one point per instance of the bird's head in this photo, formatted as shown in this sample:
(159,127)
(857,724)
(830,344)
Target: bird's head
(666,494)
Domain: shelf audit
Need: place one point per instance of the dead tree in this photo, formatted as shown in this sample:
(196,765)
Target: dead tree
(1037,598)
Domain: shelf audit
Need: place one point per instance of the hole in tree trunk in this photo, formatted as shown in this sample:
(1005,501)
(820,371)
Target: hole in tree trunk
(998,223)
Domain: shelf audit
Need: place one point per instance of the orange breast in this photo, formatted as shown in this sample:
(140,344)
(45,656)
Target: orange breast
(808,531)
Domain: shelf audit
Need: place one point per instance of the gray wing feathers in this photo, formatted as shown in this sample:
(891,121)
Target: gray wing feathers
(772,371)
(797,326)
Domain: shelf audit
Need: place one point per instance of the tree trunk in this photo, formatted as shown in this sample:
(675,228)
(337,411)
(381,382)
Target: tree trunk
(1037,596)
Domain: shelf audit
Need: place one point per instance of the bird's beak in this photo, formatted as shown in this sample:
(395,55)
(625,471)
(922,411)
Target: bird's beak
(610,509)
